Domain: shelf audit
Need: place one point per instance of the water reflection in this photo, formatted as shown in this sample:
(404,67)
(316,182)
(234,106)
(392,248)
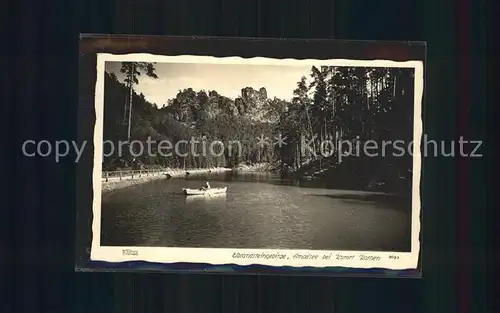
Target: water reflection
(218,197)
(259,210)
(258,177)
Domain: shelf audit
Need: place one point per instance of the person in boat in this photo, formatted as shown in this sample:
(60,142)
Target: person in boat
(206,186)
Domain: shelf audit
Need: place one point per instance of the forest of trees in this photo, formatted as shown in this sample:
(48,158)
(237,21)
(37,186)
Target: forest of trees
(335,103)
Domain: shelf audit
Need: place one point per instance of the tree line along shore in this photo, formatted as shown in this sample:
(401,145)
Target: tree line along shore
(334,103)
(128,177)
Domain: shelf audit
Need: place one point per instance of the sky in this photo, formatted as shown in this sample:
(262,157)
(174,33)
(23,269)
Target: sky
(227,80)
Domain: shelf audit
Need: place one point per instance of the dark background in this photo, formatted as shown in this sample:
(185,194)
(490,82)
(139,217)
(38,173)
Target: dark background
(41,90)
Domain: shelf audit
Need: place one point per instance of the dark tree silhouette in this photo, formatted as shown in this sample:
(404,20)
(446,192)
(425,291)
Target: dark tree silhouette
(132,71)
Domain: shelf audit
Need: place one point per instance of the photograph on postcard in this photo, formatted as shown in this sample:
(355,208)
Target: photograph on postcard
(277,162)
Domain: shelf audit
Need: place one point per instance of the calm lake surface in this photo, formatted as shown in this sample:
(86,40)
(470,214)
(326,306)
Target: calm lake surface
(259,211)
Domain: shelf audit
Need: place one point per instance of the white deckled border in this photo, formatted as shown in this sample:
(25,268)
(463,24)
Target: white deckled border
(398,261)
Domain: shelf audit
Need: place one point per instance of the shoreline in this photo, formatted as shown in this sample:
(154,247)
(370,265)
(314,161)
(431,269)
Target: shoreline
(114,183)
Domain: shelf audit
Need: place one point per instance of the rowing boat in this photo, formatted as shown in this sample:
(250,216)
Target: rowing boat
(210,191)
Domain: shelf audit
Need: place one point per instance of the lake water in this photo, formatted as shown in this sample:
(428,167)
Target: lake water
(259,211)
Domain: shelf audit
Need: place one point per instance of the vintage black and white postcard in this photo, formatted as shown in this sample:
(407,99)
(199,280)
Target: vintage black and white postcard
(277,162)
